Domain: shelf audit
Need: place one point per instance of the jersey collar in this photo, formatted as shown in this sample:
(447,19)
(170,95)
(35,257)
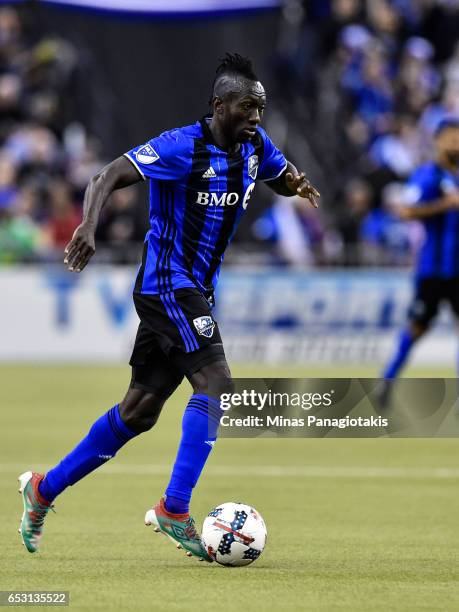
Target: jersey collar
(208,137)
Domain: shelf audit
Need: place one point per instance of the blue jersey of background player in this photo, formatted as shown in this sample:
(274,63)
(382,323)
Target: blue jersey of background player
(201,179)
(432,196)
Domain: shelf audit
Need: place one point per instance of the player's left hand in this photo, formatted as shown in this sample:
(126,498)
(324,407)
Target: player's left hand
(299,185)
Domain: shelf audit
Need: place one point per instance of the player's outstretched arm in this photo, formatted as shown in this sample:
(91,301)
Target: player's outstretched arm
(291,183)
(449,201)
(119,173)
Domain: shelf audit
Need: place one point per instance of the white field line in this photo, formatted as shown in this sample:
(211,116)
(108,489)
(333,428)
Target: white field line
(281,471)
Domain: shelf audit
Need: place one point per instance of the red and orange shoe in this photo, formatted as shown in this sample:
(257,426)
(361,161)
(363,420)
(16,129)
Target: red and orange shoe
(180,528)
(36,508)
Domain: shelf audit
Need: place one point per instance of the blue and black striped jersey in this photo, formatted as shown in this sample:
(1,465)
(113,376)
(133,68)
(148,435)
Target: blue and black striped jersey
(439,254)
(198,194)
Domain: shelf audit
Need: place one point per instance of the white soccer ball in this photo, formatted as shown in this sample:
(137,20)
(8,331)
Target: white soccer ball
(234,534)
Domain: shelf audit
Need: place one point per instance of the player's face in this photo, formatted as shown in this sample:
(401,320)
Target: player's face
(448,144)
(244,112)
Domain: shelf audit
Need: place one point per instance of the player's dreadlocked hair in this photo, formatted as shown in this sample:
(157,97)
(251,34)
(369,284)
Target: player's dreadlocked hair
(233,65)
(236,64)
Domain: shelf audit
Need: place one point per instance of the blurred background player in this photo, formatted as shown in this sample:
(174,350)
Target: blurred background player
(432,196)
(201,179)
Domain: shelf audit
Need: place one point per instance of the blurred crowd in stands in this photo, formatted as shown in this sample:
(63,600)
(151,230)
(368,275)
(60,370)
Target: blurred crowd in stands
(368,81)
(46,156)
(363,82)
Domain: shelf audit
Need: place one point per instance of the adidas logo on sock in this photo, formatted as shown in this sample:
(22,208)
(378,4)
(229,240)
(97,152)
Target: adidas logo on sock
(209,173)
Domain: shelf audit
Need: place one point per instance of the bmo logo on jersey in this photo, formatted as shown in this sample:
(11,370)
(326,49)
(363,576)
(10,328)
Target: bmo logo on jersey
(206,198)
(217,199)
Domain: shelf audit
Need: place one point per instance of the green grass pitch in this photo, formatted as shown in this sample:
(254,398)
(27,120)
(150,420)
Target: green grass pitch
(352,524)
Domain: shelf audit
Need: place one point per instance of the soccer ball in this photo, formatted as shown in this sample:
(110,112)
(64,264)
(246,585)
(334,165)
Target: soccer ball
(234,534)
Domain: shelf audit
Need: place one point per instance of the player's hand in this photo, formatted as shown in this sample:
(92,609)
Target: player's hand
(299,185)
(80,249)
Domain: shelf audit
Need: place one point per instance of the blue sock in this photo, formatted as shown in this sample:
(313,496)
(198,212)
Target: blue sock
(105,438)
(405,343)
(199,432)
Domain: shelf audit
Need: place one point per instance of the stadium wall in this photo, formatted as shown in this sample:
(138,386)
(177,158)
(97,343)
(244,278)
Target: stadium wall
(140,76)
(266,316)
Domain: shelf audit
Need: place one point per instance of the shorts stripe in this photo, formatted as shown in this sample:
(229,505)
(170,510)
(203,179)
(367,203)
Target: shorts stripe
(181,322)
(176,315)
(173,317)
(186,325)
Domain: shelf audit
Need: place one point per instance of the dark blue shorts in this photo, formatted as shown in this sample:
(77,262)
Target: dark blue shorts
(177,336)
(430,293)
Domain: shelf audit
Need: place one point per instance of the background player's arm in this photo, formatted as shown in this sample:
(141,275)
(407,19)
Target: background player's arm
(116,175)
(449,201)
(291,183)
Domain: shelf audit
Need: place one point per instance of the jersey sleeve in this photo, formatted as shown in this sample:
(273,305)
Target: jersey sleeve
(165,157)
(422,186)
(273,162)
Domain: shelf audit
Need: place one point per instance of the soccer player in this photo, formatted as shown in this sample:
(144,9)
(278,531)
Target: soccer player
(201,179)
(432,196)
